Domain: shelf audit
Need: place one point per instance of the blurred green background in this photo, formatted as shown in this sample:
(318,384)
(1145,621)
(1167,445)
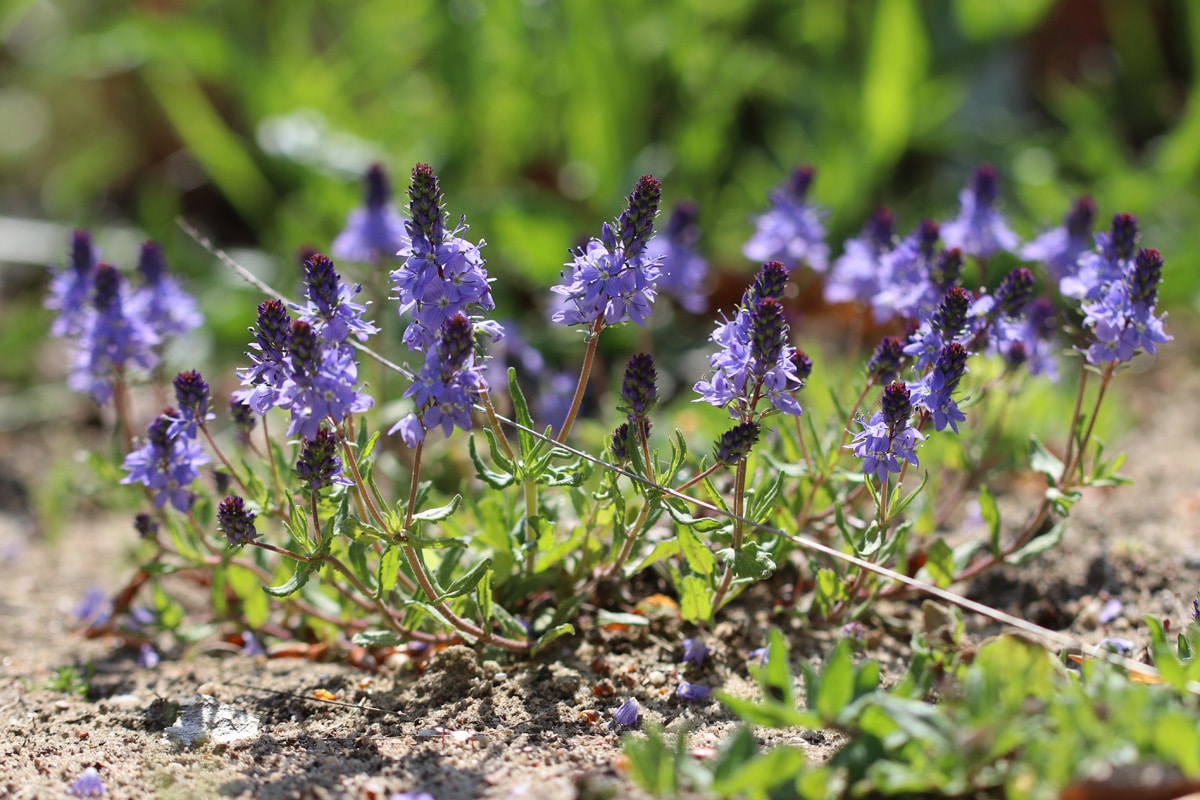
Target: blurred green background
(255,120)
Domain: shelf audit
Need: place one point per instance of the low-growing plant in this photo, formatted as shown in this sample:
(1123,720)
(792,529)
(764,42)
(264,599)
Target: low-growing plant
(367,516)
(1014,722)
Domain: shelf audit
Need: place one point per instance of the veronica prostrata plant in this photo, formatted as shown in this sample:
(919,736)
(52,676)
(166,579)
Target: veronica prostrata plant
(429,515)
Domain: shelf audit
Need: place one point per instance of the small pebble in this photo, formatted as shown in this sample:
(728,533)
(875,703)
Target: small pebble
(657,678)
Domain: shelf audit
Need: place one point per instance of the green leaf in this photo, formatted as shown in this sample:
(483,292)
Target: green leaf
(440,513)
(365,450)
(496,480)
(529,445)
(991,515)
(378,639)
(662,550)
(1038,545)
(939,563)
(896,508)
(467,583)
(605,617)
(557,632)
(837,684)
(753,562)
(298,579)
(699,558)
(389,569)
(695,605)
(699,524)
(829,591)
(1045,462)
(485,599)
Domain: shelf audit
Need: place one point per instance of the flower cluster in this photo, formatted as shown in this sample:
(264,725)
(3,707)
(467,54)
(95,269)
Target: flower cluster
(755,357)
(791,231)
(167,462)
(116,329)
(443,274)
(682,269)
(374,233)
(236,521)
(445,389)
(305,366)
(980,230)
(612,279)
(887,439)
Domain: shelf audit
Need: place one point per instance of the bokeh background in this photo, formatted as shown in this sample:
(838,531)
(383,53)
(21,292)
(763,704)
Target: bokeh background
(255,121)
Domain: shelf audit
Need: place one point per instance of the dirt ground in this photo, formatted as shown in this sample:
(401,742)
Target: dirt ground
(458,728)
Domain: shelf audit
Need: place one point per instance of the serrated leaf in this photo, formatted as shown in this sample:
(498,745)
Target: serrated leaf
(389,569)
(699,558)
(695,605)
(524,420)
(752,562)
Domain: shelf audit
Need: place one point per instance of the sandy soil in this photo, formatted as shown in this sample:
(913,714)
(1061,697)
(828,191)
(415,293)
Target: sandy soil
(458,728)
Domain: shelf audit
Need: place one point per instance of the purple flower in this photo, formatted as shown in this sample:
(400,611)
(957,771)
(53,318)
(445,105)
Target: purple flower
(1196,609)
(269,370)
(93,608)
(71,288)
(1122,647)
(627,715)
(887,439)
(1028,340)
(1112,609)
(160,302)
(166,463)
(692,692)
(236,521)
(375,232)
(755,358)
(147,657)
(87,785)
(330,309)
(638,391)
(243,418)
(906,288)
(146,526)
(1112,258)
(933,392)
(855,276)
(682,269)
(319,464)
(320,384)
(736,443)
(762,654)
(191,396)
(411,796)
(694,651)
(1059,248)
(442,274)
(886,361)
(1122,321)
(251,646)
(445,389)
(854,631)
(613,278)
(111,341)
(980,229)
(791,230)
(947,324)
(618,444)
